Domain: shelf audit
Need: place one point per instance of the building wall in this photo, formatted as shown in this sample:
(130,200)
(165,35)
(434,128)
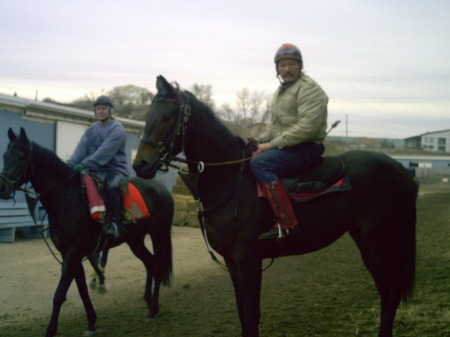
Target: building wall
(436,141)
(44,131)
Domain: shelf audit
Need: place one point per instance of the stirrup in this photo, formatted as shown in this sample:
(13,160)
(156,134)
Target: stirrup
(112,229)
(276,232)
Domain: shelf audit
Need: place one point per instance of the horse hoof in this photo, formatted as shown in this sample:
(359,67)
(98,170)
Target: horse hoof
(93,284)
(89,333)
(150,320)
(101,289)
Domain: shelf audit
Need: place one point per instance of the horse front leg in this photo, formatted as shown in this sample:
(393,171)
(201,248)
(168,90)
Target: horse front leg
(80,279)
(67,276)
(246,275)
(232,269)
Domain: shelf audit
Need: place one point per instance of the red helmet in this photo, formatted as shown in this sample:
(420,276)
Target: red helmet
(288,51)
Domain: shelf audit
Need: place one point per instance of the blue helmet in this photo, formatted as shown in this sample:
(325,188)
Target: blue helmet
(103,100)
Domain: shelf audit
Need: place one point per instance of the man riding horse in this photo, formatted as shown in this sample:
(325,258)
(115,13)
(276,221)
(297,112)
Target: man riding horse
(101,151)
(293,141)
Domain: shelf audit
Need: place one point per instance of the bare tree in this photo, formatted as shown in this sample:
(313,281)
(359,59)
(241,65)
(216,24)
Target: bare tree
(86,101)
(243,102)
(256,101)
(253,107)
(225,112)
(204,94)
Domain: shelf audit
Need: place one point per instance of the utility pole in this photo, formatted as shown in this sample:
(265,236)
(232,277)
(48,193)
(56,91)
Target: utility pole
(346,127)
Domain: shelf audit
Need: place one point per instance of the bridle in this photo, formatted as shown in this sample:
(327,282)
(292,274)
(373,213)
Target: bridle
(167,146)
(25,175)
(25,172)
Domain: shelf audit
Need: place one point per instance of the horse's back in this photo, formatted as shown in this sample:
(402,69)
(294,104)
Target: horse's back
(378,173)
(157,197)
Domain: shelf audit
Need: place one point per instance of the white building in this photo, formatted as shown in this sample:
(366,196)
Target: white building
(436,141)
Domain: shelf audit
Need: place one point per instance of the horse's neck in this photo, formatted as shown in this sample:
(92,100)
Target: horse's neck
(48,173)
(210,141)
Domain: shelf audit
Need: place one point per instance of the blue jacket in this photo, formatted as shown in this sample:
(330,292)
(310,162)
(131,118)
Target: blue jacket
(102,147)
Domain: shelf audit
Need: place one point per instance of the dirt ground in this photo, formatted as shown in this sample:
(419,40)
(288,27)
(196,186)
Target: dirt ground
(328,293)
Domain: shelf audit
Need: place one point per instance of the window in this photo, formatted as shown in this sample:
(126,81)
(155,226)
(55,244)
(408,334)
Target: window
(441,144)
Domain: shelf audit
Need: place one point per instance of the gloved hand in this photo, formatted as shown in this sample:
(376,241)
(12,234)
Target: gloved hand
(78,167)
(252,144)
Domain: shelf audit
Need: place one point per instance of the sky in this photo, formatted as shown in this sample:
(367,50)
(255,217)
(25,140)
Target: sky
(385,64)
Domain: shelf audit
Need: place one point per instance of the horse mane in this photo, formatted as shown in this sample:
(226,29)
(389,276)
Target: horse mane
(51,161)
(217,125)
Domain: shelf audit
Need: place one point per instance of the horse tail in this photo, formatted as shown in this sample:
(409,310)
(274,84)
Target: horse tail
(409,247)
(162,249)
(409,260)
(405,257)
(410,252)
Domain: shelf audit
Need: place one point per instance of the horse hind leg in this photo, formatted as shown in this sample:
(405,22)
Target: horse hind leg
(97,275)
(151,294)
(392,278)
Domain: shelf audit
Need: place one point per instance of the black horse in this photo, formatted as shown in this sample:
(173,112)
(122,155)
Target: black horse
(379,212)
(72,229)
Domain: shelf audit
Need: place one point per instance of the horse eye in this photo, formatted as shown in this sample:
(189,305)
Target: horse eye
(166,118)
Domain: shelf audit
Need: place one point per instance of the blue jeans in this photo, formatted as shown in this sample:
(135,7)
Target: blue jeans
(274,164)
(113,181)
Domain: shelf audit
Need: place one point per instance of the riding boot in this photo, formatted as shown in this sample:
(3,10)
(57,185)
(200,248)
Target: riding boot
(281,205)
(114,224)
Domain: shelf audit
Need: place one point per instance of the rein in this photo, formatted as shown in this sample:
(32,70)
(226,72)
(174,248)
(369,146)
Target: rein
(167,157)
(201,165)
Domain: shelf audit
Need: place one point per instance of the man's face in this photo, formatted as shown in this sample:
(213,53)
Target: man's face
(289,70)
(103,112)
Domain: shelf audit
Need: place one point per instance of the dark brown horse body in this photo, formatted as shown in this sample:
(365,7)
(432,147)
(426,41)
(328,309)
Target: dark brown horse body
(379,212)
(72,229)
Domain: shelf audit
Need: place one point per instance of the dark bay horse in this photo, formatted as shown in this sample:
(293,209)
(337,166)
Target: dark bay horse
(379,212)
(72,229)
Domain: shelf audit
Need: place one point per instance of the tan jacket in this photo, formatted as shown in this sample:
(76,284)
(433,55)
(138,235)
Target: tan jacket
(299,114)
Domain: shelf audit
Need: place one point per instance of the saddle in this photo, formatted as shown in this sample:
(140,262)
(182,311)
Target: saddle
(326,177)
(134,207)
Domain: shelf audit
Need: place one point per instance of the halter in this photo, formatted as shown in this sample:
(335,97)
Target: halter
(166,147)
(16,182)
(184,112)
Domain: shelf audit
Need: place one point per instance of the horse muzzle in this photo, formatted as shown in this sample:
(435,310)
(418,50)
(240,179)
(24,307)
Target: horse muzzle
(7,188)
(146,170)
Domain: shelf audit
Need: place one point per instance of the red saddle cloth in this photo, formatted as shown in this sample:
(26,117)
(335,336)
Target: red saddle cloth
(326,177)
(134,204)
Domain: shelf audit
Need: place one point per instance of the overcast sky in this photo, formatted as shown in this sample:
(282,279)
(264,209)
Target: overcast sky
(385,64)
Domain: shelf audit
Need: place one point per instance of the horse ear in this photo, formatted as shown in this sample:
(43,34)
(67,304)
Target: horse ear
(23,135)
(11,135)
(165,89)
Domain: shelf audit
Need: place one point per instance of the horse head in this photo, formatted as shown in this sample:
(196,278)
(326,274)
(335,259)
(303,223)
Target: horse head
(162,130)
(17,164)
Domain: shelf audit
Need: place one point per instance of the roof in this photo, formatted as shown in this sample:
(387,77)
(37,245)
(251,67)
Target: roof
(51,111)
(431,132)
